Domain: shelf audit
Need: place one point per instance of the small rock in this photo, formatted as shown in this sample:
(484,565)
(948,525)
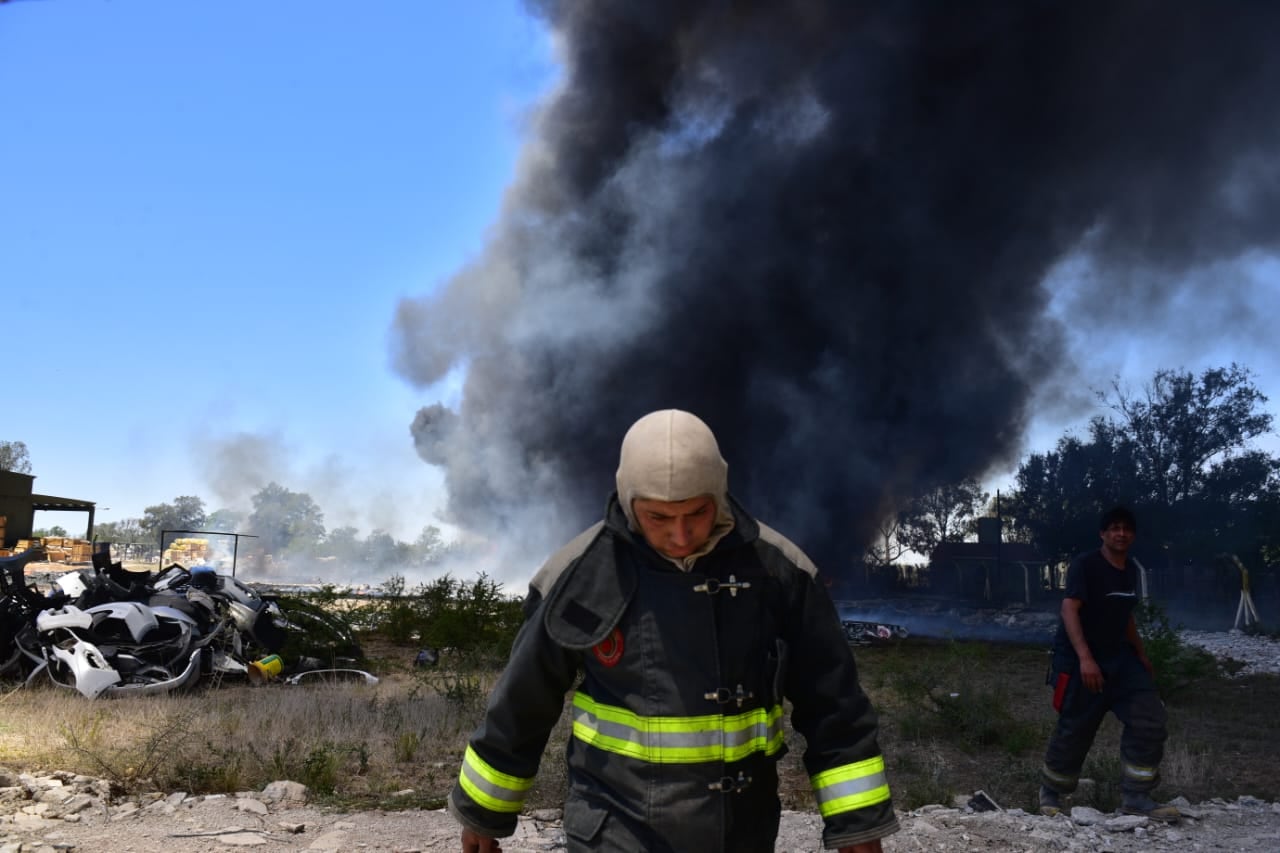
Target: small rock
(242,839)
(77,803)
(284,791)
(125,810)
(934,807)
(1125,823)
(254,806)
(330,841)
(1086,816)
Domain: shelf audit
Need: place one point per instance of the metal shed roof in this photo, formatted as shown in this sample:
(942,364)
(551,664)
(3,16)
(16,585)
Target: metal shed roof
(50,502)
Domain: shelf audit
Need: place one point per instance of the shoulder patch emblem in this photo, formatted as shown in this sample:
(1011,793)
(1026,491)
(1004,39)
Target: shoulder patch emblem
(609,650)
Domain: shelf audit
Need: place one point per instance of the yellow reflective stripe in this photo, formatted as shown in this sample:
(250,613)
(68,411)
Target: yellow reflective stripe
(677,740)
(490,788)
(851,786)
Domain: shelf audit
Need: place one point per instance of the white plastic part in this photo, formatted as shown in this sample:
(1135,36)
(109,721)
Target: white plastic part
(92,672)
(72,583)
(184,679)
(63,617)
(138,618)
(173,614)
(334,677)
(243,615)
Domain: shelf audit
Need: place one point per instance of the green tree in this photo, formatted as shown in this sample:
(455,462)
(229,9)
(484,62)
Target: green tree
(286,521)
(56,530)
(343,543)
(382,550)
(185,513)
(14,457)
(942,514)
(128,530)
(1182,427)
(225,521)
(1059,493)
(472,616)
(1179,453)
(430,546)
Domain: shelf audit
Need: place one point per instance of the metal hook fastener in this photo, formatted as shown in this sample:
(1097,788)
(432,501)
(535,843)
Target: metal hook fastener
(730,785)
(711,586)
(724,696)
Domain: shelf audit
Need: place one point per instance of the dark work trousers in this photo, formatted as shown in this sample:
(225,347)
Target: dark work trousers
(1129,692)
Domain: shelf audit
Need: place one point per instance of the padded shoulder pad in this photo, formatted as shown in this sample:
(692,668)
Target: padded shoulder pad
(590,596)
(789,549)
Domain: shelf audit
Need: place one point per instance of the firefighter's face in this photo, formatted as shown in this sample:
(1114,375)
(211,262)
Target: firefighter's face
(1118,537)
(675,529)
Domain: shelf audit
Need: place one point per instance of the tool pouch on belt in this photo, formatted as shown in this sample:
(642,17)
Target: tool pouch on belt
(1058,681)
(1060,690)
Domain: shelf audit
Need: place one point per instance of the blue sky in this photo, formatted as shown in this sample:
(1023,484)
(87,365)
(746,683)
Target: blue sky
(211,211)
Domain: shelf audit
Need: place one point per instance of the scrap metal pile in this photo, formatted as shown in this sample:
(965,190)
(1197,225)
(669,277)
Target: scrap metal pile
(108,632)
(865,633)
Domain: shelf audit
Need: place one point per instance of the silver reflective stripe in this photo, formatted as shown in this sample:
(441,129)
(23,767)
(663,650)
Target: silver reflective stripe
(1133,771)
(680,740)
(486,786)
(851,787)
(497,792)
(1060,778)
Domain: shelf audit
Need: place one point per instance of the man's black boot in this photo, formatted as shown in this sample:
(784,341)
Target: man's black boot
(1050,801)
(1142,804)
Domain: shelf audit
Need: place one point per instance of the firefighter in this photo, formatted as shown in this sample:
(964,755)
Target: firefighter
(1099,665)
(681,624)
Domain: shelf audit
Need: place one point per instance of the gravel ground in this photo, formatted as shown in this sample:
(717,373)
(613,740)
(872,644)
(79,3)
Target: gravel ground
(179,824)
(1257,653)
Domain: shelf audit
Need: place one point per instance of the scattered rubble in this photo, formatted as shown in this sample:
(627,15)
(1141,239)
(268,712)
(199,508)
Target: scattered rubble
(1258,653)
(41,813)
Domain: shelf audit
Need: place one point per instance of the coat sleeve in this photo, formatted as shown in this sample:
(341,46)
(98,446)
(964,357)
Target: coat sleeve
(829,707)
(502,756)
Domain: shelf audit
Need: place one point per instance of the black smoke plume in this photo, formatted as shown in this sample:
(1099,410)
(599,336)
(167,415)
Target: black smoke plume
(825,228)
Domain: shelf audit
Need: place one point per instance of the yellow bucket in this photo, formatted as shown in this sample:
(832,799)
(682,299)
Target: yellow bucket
(262,671)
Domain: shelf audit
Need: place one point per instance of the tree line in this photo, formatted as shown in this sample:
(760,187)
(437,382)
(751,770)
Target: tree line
(287,525)
(1180,452)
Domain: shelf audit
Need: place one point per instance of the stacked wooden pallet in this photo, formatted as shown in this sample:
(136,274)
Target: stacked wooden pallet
(186,552)
(64,549)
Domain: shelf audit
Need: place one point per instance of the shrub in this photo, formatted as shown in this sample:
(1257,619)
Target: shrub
(1177,665)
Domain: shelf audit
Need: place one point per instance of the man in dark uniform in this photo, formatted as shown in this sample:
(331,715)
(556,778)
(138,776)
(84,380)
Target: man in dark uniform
(681,625)
(1098,666)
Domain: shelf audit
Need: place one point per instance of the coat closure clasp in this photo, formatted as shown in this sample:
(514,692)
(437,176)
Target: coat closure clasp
(711,586)
(730,785)
(724,695)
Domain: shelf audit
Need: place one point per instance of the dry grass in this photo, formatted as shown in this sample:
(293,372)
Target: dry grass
(367,745)
(1221,731)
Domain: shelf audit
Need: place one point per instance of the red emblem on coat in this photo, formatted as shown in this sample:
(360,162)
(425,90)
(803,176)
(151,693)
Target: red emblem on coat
(609,650)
